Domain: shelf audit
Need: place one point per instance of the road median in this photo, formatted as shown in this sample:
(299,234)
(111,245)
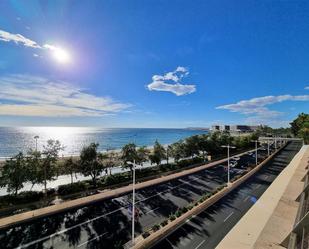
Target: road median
(163,232)
(72,204)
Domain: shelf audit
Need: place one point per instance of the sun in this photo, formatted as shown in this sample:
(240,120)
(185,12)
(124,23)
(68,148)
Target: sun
(61,55)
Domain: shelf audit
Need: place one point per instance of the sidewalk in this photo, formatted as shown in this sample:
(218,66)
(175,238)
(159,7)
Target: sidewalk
(38,213)
(270,220)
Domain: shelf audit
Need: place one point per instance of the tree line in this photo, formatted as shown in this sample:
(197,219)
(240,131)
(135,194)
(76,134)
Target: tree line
(38,167)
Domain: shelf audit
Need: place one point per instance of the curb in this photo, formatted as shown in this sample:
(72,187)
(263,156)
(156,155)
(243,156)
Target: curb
(72,204)
(162,233)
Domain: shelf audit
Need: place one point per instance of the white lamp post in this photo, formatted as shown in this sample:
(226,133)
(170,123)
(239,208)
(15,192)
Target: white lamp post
(36,142)
(228,160)
(133,206)
(256,151)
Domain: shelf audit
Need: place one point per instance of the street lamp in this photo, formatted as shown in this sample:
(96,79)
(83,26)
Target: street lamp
(256,151)
(133,197)
(228,160)
(36,142)
(133,205)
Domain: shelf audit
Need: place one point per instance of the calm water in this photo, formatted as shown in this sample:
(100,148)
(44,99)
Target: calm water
(15,139)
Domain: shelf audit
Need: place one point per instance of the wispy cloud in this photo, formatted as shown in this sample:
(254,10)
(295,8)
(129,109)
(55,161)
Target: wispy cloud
(170,82)
(18,39)
(25,95)
(307,88)
(256,109)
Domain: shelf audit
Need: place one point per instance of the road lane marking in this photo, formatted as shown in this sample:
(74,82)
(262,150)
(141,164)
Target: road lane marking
(96,218)
(91,239)
(169,242)
(200,244)
(228,217)
(67,229)
(266,177)
(257,186)
(152,210)
(246,198)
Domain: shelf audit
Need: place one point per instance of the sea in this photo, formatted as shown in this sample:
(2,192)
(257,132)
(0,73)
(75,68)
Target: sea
(22,139)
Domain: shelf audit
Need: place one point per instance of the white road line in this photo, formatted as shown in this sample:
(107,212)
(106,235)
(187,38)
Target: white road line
(257,186)
(169,242)
(200,244)
(266,177)
(152,210)
(66,230)
(96,218)
(246,198)
(91,240)
(228,217)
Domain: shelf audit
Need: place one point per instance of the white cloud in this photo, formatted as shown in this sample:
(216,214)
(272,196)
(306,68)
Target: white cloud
(307,88)
(17,38)
(258,105)
(35,96)
(257,111)
(170,82)
(20,39)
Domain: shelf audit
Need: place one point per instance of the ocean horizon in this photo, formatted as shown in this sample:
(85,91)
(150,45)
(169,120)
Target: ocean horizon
(21,139)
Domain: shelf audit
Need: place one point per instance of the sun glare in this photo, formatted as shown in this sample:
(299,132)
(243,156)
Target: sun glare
(61,55)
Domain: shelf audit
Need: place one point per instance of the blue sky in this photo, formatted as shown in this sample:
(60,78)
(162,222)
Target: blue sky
(153,63)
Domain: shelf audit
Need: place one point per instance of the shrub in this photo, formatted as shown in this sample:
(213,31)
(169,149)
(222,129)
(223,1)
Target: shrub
(178,213)
(156,227)
(172,217)
(145,234)
(50,191)
(164,223)
(72,188)
(184,209)
(29,196)
(190,206)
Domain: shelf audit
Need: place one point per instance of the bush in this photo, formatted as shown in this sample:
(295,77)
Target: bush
(145,234)
(50,191)
(190,206)
(184,209)
(178,213)
(164,223)
(72,188)
(156,227)
(29,196)
(172,217)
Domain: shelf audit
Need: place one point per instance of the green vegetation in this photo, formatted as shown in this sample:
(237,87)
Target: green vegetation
(14,174)
(300,127)
(90,162)
(38,167)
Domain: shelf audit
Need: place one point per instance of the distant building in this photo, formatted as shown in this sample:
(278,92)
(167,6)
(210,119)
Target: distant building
(235,128)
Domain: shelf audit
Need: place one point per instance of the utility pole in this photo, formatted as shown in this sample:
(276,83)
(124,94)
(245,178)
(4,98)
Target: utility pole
(228,161)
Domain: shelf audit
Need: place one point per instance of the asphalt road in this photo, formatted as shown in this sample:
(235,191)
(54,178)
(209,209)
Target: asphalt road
(107,224)
(208,228)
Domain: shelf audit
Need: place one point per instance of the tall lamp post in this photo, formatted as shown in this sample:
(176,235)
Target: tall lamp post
(133,199)
(256,151)
(133,205)
(36,142)
(228,160)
